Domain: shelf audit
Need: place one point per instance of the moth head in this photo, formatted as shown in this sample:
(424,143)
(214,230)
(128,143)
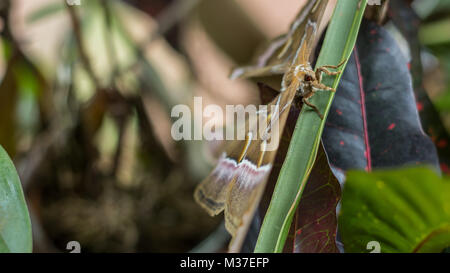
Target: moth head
(308,77)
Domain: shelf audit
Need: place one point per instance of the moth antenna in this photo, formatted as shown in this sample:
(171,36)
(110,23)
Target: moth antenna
(263,151)
(248,140)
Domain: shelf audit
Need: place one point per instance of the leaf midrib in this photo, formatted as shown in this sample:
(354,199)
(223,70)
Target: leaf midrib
(431,235)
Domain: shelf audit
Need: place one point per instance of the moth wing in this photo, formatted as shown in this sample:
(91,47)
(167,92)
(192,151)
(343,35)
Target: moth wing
(255,71)
(279,54)
(237,183)
(306,34)
(247,187)
(211,192)
(243,199)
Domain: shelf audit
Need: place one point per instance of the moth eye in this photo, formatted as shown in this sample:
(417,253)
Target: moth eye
(308,78)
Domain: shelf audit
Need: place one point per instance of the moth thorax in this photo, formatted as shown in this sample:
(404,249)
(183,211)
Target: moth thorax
(301,69)
(301,90)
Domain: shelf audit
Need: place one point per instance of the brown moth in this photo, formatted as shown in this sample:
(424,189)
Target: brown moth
(238,181)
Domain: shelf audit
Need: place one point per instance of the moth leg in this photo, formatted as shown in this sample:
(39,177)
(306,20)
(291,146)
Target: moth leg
(325,70)
(305,101)
(322,86)
(334,66)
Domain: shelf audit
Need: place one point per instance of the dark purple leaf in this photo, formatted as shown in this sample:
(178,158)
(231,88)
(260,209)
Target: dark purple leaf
(407,21)
(374,122)
(315,219)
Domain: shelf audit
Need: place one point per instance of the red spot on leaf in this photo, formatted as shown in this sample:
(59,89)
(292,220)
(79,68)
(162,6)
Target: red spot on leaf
(339,112)
(392,126)
(445,168)
(442,143)
(409,66)
(373,31)
(342,143)
(419,106)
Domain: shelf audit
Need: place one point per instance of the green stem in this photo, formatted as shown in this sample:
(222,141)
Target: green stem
(338,45)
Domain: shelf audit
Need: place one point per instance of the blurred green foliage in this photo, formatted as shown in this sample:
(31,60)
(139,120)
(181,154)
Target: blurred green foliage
(418,218)
(15,225)
(435,35)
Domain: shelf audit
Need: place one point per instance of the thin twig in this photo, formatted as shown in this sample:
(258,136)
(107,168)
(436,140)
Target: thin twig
(76,25)
(109,41)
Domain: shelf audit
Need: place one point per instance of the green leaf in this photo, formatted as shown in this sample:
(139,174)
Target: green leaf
(403,210)
(15,224)
(435,33)
(339,42)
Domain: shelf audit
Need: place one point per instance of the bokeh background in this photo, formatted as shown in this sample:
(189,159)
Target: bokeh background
(85,98)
